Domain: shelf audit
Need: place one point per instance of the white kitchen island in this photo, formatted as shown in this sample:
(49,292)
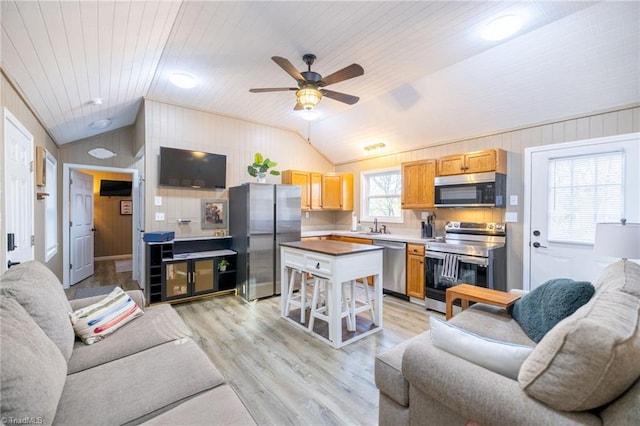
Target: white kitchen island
(338,262)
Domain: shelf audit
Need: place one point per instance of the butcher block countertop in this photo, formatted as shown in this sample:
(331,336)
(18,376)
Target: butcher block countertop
(330,247)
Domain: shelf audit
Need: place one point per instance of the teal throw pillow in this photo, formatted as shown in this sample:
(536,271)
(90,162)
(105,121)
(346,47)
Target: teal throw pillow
(541,309)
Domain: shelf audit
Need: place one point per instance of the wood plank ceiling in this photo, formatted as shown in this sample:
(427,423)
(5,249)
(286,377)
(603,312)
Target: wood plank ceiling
(428,76)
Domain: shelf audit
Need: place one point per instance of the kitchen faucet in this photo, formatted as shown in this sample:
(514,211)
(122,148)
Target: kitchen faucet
(375,225)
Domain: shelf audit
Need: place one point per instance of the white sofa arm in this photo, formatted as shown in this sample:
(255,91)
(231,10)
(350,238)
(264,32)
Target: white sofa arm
(476,393)
(136,295)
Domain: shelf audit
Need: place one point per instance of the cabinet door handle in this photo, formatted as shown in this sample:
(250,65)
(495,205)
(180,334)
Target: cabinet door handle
(318,265)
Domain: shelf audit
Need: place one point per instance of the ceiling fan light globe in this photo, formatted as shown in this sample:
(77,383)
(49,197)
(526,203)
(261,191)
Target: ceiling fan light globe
(308,97)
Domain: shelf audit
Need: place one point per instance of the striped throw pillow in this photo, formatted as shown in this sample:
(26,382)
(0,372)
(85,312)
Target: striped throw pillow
(95,322)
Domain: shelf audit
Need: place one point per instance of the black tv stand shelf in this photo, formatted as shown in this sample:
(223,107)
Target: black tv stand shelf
(189,268)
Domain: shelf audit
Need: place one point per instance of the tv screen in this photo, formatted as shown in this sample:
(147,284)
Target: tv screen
(115,188)
(192,169)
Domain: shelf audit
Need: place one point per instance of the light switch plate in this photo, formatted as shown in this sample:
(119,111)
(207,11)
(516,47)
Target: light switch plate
(159,216)
(157,201)
(511,217)
(513,200)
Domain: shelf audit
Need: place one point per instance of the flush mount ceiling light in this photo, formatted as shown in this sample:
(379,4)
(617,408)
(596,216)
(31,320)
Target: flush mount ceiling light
(101,124)
(375,147)
(501,28)
(182,80)
(308,97)
(101,153)
(96,101)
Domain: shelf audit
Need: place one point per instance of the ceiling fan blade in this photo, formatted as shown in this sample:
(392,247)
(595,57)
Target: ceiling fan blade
(298,107)
(342,97)
(353,70)
(273,89)
(288,67)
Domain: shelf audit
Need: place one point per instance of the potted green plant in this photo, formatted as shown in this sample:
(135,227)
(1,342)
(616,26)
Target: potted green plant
(222,264)
(261,166)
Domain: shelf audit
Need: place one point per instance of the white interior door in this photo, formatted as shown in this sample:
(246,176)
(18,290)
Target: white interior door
(81,227)
(570,188)
(19,191)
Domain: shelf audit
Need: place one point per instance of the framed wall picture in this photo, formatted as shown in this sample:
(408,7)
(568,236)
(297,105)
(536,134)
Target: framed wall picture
(214,214)
(126,207)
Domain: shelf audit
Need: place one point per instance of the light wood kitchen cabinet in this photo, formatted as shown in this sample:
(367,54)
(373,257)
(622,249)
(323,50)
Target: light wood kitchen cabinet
(415,271)
(417,184)
(337,191)
(311,187)
(491,160)
(303,180)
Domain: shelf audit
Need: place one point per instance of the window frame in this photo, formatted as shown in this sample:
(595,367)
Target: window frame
(364,195)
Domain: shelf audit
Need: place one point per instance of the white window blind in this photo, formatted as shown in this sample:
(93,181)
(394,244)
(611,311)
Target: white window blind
(584,190)
(381,191)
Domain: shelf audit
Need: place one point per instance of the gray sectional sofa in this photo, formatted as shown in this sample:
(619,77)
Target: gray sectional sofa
(148,371)
(584,371)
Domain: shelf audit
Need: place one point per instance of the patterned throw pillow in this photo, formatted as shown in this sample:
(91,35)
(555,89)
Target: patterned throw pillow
(94,322)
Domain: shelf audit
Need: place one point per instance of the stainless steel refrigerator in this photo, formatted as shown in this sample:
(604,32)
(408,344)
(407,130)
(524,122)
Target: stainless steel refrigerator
(261,216)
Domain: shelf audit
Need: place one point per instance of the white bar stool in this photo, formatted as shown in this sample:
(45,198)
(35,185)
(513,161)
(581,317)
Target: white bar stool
(300,300)
(320,308)
(358,305)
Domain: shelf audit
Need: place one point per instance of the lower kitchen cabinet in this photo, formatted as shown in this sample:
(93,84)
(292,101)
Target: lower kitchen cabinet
(415,271)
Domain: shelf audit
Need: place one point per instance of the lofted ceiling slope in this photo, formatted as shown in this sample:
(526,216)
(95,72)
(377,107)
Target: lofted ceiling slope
(428,77)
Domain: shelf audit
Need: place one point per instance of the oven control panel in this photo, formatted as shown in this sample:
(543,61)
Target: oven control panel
(488,228)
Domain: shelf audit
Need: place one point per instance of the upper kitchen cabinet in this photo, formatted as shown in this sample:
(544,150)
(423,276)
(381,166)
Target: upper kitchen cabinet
(417,184)
(311,184)
(337,191)
(491,160)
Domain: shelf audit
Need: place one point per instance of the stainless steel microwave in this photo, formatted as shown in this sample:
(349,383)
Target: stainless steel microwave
(471,190)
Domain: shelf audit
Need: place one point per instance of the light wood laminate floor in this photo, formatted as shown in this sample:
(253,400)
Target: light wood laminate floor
(282,374)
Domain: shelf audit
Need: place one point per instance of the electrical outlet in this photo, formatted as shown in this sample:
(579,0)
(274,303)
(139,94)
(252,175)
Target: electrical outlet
(157,201)
(159,216)
(511,217)
(513,200)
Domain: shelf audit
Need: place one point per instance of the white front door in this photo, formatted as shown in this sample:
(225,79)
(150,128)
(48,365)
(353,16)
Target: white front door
(19,192)
(81,226)
(568,189)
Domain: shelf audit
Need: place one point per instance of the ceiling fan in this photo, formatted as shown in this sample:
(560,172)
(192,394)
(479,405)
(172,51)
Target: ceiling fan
(311,84)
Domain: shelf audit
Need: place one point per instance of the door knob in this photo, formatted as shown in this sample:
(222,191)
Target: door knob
(538,245)
(10,264)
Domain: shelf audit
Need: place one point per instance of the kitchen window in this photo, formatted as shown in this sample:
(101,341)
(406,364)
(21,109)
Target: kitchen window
(381,191)
(584,190)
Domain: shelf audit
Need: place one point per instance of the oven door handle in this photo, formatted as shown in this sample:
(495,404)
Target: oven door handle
(482,261)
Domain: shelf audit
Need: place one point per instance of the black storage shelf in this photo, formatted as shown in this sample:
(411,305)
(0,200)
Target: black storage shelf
(191,252)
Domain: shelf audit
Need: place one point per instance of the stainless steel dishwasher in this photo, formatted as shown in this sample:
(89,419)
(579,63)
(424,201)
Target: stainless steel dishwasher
(394,258)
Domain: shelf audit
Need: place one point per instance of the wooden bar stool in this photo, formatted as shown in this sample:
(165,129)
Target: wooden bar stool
(358,305)
(320,306)
(301,299)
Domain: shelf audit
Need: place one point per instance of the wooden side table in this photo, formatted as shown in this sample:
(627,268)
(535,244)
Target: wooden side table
(467,293)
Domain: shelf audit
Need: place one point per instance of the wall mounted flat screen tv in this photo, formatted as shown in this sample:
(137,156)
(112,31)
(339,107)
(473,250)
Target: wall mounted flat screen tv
(192,169)
(115,188)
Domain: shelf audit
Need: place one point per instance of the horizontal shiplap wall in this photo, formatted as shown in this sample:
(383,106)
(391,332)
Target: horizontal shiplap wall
(14,103)
(514,142)
(185,128)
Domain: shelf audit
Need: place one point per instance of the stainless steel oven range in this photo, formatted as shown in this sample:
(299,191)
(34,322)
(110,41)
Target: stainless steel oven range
(471,253)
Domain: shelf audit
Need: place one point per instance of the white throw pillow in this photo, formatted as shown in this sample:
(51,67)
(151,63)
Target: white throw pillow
(500,357)
(94,322)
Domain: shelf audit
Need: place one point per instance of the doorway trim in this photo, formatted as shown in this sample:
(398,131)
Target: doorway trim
(66,172)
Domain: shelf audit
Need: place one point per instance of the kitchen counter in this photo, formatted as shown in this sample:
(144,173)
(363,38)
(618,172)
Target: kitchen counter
(407,238)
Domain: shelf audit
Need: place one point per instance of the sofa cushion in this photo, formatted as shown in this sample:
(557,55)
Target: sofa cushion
(492,322)
(95,322)
(220,406)
(40,293)
(32,369)
(501,357)
(540,310)
(591,357)
(159,324)
(388,373)
(137,386)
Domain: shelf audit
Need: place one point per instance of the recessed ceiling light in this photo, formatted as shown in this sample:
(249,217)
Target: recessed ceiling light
(182,80)
(501,28)
(101,153)
(101,124)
